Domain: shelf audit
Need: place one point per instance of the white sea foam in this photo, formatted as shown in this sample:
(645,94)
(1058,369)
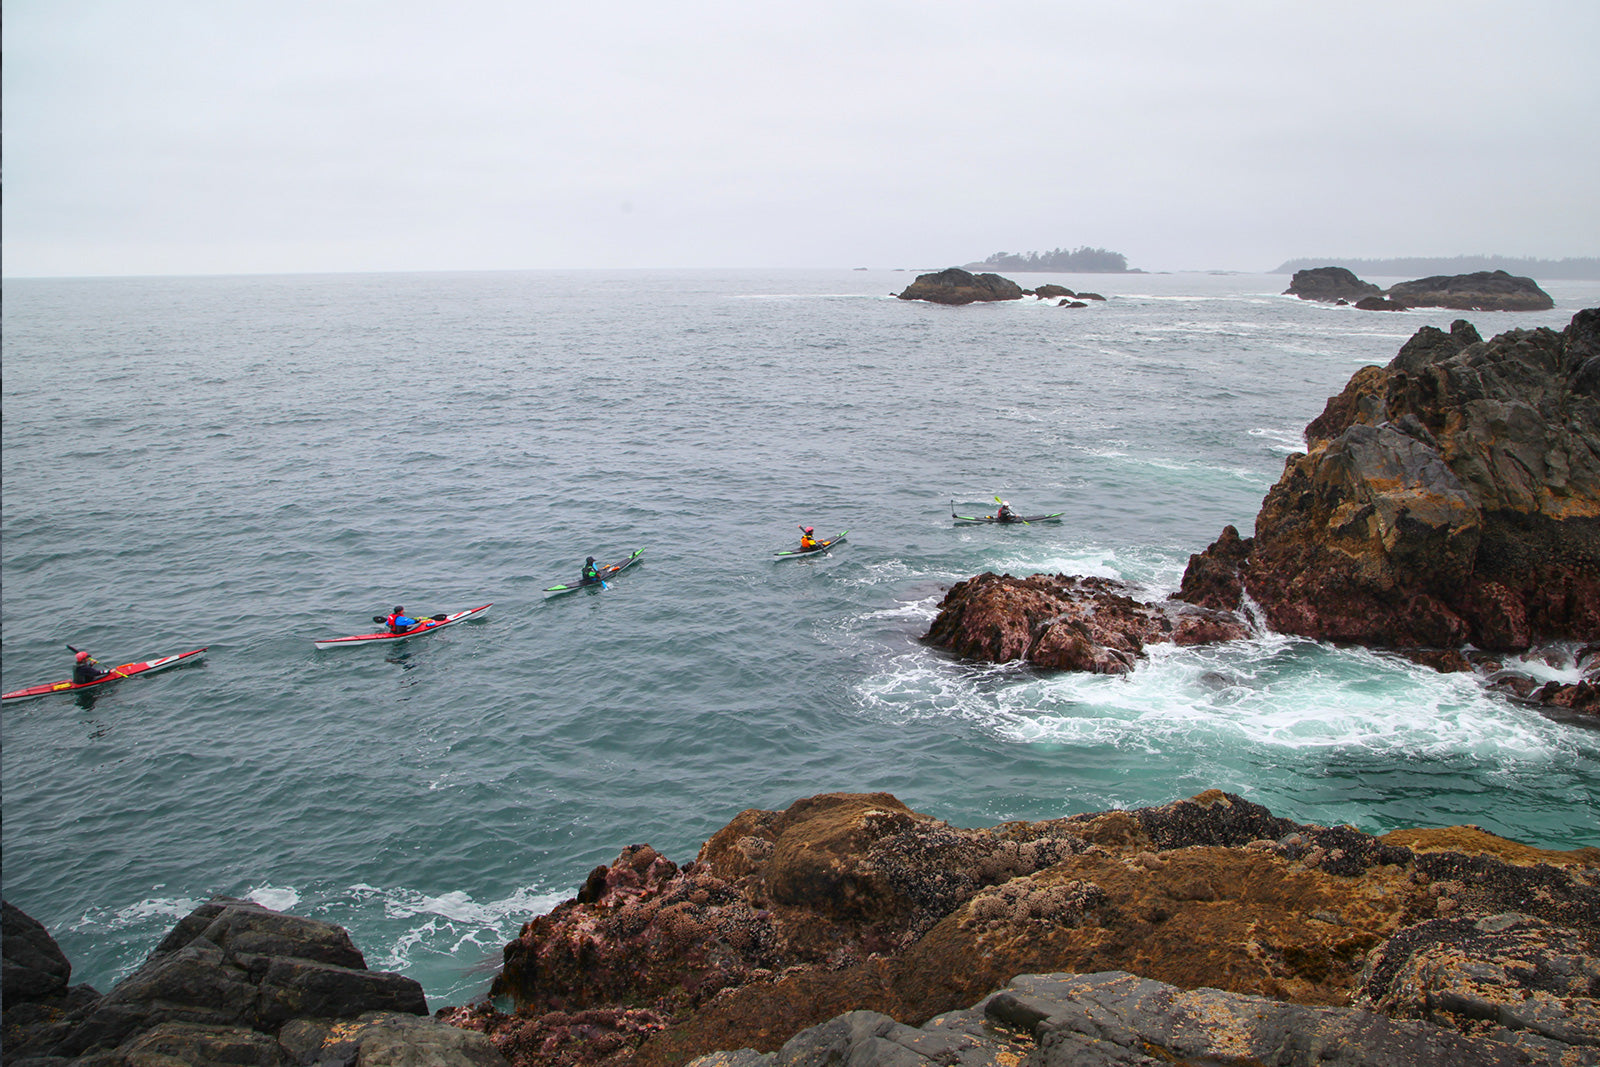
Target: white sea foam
(1277,440)
(138,914)
(273,897)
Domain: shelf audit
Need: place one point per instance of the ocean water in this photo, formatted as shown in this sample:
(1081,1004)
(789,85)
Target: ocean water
(248,463)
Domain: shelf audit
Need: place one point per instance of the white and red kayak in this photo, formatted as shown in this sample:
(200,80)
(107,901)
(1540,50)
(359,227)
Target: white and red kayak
(127,670)
(426,626)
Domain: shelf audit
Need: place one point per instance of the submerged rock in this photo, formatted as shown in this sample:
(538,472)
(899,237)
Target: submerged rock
(854,902)
(957,286)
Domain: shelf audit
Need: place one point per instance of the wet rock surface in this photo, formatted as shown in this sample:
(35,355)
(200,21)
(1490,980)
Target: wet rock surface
(234,983)
(854,903)
(1059,622)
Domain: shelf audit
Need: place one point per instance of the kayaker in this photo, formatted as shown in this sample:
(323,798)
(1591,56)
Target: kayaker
(591,573)
(399,621)
(85,671)
(1005,514)
(807,541)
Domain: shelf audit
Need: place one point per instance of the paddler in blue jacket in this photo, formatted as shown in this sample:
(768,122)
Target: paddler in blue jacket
(85,671)
(399,621)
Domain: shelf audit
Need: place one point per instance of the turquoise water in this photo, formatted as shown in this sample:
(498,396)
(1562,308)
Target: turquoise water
(251,463)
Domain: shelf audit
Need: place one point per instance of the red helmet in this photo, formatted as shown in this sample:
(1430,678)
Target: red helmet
(811,529)
(82,656)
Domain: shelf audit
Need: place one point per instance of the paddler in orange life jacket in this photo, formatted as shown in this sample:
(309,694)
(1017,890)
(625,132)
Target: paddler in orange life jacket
(807,541)
(85,671)
(399,621)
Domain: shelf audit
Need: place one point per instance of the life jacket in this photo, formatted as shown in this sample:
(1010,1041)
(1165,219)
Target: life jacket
(395,626)
(807,541)
(590,572)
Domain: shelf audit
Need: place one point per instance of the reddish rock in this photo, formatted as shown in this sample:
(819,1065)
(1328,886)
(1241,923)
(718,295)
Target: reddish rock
(1068,623)
(863,903)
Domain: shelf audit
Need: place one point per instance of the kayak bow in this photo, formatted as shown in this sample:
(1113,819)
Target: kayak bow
(426,626)
(127,670)
(608,571)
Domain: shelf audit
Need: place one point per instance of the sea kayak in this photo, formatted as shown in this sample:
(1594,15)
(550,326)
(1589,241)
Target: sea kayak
(796,553)
(127,670)
(426,626)
(610,570)
(979,520)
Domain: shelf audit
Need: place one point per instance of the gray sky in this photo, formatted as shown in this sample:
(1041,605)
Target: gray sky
(202,136)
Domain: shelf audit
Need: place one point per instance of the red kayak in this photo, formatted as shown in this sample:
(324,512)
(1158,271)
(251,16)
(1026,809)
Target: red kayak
(426,626)
(127,670)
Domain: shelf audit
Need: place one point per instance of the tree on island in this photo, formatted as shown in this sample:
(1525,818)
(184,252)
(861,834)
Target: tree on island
(1083,260)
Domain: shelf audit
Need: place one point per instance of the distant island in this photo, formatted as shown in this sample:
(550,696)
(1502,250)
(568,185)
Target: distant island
(1083,260)
(1583,267)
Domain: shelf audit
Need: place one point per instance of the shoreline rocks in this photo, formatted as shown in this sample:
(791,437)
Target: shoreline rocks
(1449,499)
(233,982)
(850,902)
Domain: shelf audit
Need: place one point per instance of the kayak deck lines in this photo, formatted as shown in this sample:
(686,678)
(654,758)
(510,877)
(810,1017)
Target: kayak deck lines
(117,674)
(426,626)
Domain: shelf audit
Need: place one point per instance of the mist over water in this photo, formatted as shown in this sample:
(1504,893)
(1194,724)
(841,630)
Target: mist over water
(249,463)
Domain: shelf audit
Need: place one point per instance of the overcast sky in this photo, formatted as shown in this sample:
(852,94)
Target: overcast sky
(205,136)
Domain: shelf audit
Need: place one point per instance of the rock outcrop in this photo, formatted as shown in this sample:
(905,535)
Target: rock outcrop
(1068,623)
(232,983)
(957,286)
(1115,1019)
(1485,290)
(1452,497)
(854,902)
(1329,284)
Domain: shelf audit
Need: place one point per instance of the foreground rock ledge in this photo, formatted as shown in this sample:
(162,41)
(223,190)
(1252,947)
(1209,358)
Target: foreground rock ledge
(233,983)
(855,903)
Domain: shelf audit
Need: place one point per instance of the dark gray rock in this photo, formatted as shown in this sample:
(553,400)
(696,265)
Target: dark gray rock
(1115,1019)
(1483,290)
(33,966)
(1329,284)
(236,983)
(957,286)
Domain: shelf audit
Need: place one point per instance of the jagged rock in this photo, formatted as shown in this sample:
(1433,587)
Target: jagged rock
(849,902)
(34,967)
(232,983)
(957,286)
(1051,292)
(1450,497)
(1067,623)
(1481,291)
(1114,1019)
(1329,284)
(1378,303)
(1508,978)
